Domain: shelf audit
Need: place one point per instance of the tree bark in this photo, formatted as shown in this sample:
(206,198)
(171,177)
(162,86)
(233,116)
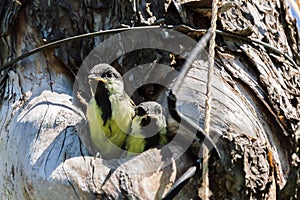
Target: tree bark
(255,108)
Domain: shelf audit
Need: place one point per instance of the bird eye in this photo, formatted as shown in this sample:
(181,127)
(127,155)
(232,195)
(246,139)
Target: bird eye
(140,111)
(103,75)
(108,74)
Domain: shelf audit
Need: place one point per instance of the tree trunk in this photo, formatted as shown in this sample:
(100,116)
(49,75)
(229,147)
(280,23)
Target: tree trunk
(44,149)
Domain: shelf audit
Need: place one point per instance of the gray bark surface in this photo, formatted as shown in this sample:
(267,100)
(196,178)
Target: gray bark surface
(255,115)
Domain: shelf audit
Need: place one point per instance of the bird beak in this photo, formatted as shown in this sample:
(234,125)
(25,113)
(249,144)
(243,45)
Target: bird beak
(97,78)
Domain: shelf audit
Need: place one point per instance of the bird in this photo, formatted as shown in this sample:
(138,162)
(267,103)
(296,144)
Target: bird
(148,129)
(110,111)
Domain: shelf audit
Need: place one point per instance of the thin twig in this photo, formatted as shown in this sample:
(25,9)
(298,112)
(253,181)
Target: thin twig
(184,178)
(194,53)
(118,30)
(74,38)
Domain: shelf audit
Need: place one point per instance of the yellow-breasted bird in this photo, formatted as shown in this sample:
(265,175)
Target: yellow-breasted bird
(148,128)
(109,112)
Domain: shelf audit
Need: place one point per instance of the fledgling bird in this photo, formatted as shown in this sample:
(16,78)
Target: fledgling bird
(109,112)
(149,128)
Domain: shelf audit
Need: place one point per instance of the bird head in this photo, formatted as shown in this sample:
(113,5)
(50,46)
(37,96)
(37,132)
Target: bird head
(104,75)
(152,119)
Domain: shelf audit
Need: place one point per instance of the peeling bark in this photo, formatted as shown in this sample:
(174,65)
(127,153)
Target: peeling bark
(255,115)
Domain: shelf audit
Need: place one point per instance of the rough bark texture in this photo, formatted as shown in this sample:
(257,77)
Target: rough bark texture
(256,101)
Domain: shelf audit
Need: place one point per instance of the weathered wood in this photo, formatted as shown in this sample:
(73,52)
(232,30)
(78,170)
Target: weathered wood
(255,116)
